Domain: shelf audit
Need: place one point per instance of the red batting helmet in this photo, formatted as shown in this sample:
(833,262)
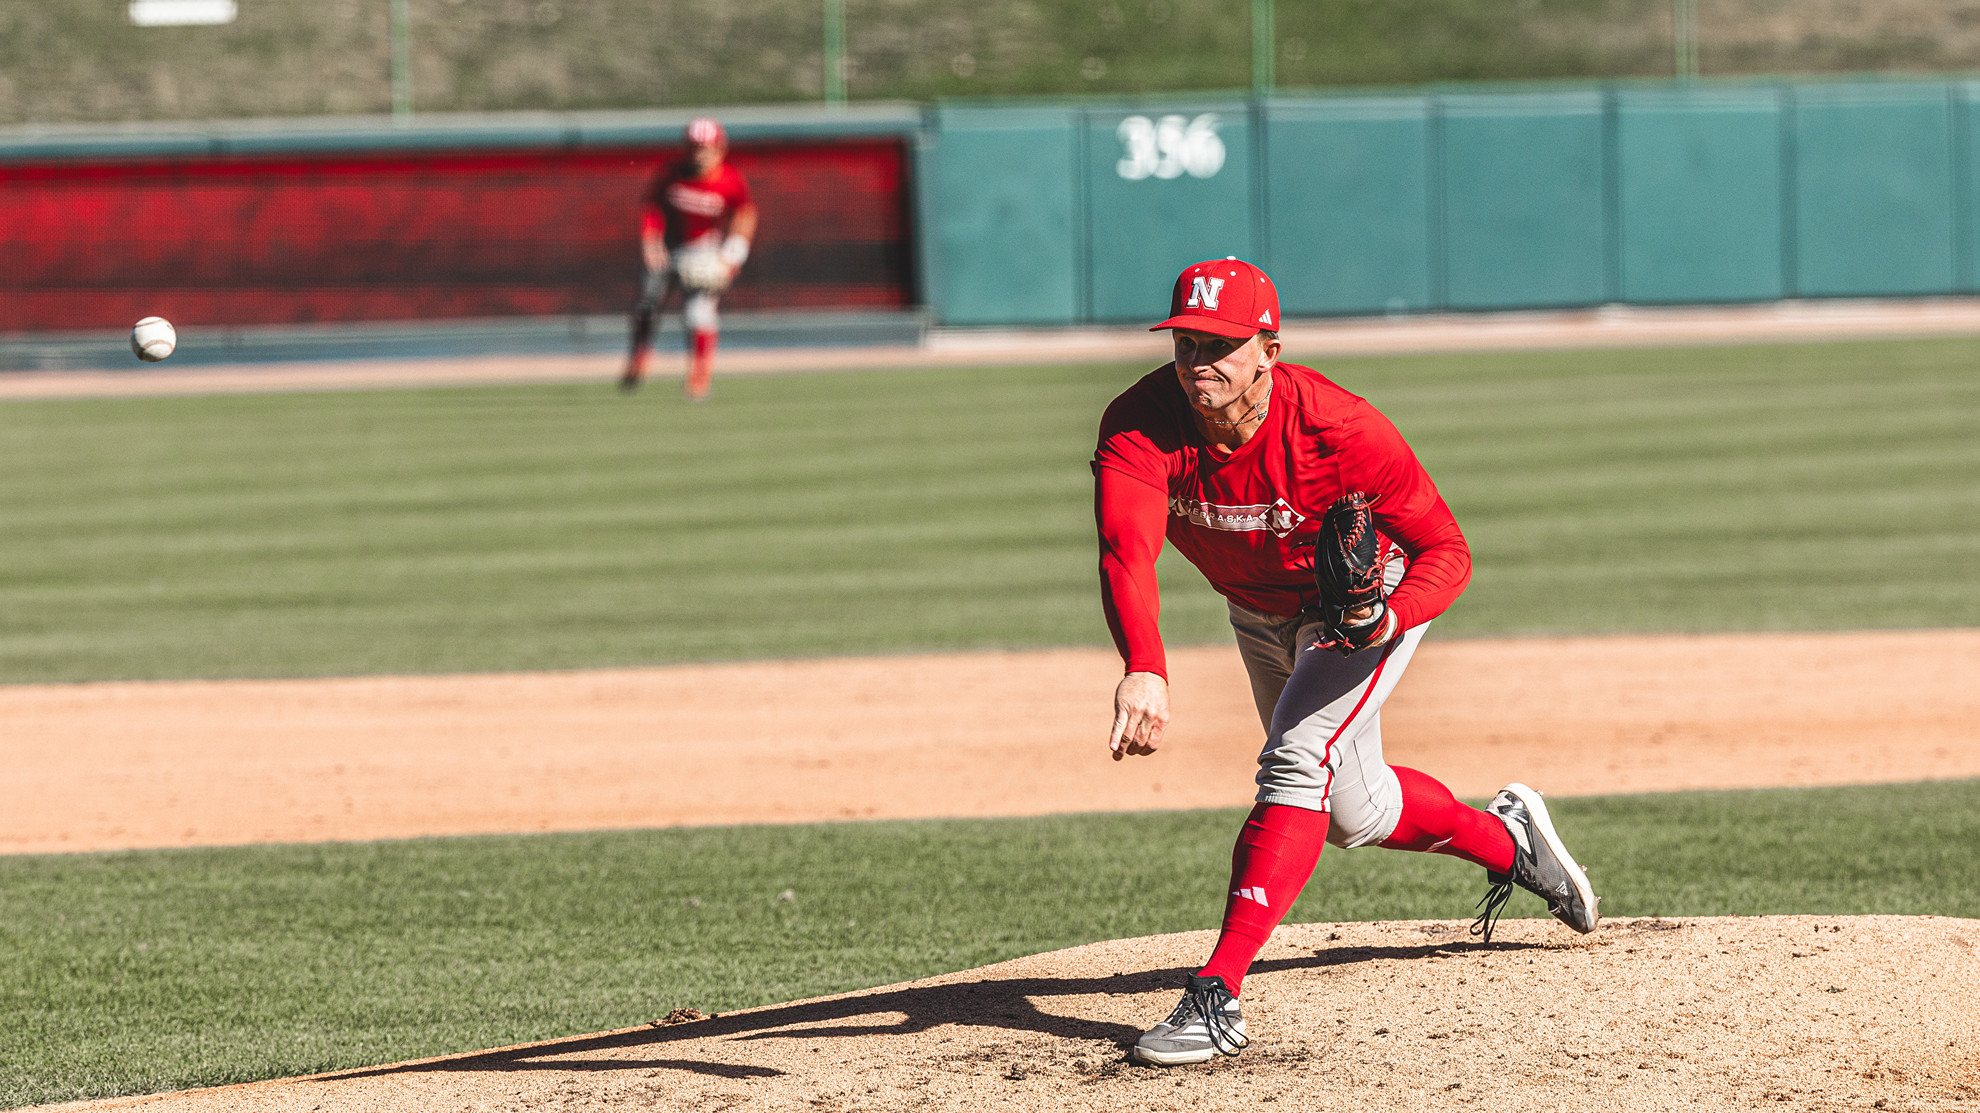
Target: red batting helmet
(1223,297)
(704,132)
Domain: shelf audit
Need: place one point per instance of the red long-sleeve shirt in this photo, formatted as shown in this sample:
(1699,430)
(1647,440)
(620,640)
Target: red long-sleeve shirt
(1247,518)
(683,206)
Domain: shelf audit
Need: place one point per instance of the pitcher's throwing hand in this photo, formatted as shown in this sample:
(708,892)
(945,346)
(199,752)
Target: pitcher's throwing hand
(1141,711)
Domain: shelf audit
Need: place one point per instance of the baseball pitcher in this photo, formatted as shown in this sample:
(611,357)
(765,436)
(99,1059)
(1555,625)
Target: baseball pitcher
(1304,507)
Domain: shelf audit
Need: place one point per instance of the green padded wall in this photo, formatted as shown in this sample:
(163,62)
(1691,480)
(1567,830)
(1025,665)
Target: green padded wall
(1524,210)
(1873,189)
(1165,187)
(1967,104)
(1699,190)
(1002,244)
(1348,204)
(1460,200)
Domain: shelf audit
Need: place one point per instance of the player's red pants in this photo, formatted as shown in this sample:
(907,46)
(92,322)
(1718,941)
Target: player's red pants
(1280,845)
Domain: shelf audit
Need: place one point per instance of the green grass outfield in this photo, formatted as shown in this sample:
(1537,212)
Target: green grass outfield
(136,972)
(1746,488)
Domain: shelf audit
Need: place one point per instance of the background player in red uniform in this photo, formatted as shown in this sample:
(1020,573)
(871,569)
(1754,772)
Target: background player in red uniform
(1235,457)
(695,231)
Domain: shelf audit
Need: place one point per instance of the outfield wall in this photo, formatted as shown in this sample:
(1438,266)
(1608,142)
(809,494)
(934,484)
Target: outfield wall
(1458,199)
(1019,213)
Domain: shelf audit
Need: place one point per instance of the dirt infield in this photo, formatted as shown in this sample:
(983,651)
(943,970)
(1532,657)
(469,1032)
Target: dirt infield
(1817,1013)
(1780,1012)
(105,766)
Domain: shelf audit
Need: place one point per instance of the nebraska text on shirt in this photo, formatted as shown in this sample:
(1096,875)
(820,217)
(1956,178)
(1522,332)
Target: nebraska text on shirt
(1278,517)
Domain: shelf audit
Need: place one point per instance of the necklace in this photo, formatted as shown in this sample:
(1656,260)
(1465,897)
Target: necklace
(1255,413)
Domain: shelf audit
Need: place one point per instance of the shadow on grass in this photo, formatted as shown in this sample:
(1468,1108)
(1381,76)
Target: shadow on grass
(990,1003)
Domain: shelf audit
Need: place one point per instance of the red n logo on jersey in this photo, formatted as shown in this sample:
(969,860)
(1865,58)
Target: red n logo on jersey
(1204,292)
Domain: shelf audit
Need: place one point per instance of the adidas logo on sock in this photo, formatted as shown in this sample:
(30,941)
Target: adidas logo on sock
(1256,893)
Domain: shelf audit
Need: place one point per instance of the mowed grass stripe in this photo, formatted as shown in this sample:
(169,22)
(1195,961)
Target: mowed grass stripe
(494,529)
(135,972)
(1769,487)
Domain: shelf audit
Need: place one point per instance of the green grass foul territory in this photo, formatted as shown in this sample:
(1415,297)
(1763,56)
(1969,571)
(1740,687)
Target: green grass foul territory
(1765,487)
(136,972)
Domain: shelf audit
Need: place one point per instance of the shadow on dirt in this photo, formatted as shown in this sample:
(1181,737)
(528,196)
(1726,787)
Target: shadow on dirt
(1005,1004)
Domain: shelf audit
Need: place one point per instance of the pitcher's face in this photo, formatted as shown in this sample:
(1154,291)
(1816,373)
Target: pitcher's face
(1215,371)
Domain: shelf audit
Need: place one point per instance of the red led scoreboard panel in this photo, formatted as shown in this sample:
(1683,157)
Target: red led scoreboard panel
(381,237)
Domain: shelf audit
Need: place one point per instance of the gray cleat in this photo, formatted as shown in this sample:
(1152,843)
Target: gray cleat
(1207,1021)
(1541,866)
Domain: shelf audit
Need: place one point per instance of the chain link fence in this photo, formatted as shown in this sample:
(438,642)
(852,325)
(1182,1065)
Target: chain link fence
(86,60)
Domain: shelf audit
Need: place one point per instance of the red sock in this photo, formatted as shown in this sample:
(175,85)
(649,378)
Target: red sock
(1274,855)
(702,364)
(1433,820)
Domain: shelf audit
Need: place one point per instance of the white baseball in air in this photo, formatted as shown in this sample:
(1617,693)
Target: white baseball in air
(153,338)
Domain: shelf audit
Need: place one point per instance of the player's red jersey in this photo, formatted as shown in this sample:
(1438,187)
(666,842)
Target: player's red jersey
(687,209)
(1246,519)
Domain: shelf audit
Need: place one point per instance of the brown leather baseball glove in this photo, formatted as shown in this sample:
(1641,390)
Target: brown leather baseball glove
(1347,569)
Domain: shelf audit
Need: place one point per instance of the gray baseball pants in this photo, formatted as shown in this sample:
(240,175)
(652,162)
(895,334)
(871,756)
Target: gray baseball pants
(1323,722)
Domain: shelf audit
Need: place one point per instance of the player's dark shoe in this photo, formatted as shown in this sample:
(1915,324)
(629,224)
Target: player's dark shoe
(633,375)
(1541,866)
(1206,1022)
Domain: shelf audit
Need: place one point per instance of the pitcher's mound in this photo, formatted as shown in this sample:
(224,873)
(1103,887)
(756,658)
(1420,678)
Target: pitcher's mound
(1811,1011)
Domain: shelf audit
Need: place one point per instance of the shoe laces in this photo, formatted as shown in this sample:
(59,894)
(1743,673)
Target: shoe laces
(1510,811)
(1492,905)
(1207,1003)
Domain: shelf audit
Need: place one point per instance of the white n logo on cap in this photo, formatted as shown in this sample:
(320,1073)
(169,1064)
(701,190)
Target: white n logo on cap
(1204,292)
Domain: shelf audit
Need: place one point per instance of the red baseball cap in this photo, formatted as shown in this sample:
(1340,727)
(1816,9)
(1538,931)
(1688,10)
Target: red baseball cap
(1223,297)
(704,132)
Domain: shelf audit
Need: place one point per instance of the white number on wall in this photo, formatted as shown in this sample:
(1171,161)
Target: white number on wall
(1169,147)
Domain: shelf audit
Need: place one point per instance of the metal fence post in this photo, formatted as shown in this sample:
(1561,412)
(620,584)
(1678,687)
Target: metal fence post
(402,82)
(835,52)
(1261,47)
(1684,37)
